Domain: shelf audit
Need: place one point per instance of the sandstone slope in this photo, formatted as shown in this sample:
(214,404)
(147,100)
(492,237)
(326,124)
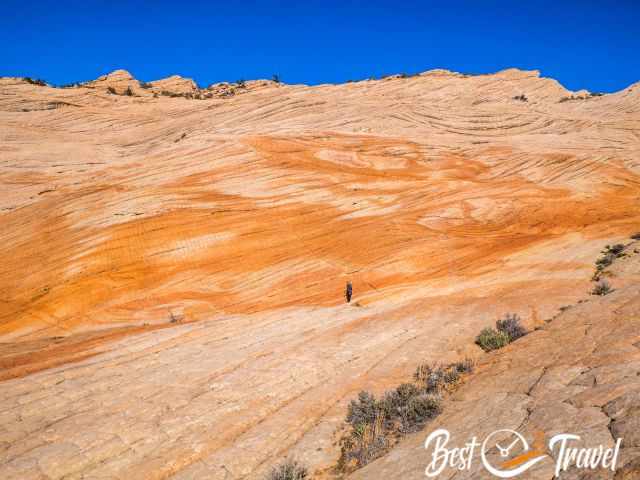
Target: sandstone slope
(171,286)
(580,374)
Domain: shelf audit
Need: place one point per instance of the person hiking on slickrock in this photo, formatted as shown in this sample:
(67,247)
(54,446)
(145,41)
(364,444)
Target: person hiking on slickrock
(348,292)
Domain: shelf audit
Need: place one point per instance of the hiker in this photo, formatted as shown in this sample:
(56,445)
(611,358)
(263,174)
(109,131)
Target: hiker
(348,292)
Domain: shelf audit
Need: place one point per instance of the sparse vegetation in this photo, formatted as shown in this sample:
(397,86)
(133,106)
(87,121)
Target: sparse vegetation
(70,85)
(512,326)
(288,470)
(571,98)
(490,339)
(377,423)
(507,330)
(35,81)
(609,254)
(602,288)
(522,98)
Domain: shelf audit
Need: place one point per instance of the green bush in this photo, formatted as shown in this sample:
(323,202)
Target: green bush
(490,339)
(417,411)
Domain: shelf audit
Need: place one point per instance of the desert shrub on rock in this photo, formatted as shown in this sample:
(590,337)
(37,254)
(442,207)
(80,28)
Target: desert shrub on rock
(376,423)
(417,411)
(288,470)
(601,288)
(616,249)
(508,329)
(366,442)
(436,378)
(363,410)
(512,326)
(490,339)
(609,254)
(35,81)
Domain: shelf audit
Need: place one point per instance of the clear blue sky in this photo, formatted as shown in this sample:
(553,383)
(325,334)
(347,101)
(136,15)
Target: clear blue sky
(582,43)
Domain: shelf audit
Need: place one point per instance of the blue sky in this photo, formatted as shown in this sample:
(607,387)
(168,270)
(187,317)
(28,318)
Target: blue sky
(583,44)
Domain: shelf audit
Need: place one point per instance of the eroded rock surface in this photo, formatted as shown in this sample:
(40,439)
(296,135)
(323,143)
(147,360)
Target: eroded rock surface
(580,374)
(171,290)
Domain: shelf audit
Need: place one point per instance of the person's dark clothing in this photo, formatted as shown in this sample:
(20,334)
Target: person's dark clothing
(348,292)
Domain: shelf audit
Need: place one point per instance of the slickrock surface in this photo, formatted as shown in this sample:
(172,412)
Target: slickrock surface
(176,84)
(171,291)
(580,374)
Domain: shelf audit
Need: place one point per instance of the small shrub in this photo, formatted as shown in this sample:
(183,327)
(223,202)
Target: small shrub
(635,236)
(418,411)
(490,339)
(288,470)
(511,325)
(392,403)
(365,443)
(609,254)
(522,98)
(435,379)
(364,410)
(602,288)
(616,249)
(35,81)
(466,366)
(604,261)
